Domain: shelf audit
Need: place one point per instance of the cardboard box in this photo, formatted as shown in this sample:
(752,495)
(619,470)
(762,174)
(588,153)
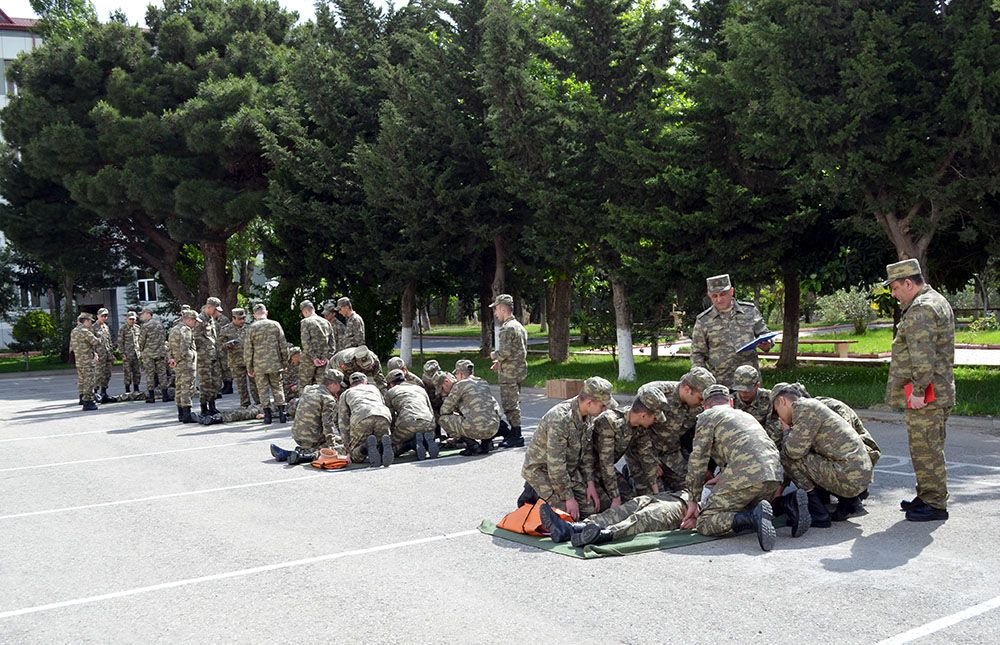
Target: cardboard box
(563,388)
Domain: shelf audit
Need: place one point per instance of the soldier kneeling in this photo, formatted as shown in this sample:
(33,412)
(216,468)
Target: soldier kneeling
(314,426)
(469,412)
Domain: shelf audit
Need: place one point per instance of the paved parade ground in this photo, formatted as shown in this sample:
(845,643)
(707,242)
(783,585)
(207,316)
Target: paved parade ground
(124,526)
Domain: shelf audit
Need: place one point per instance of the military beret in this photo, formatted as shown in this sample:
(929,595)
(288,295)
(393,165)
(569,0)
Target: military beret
(395,363)
(599,389)
(189,314)
(103,312)
(333,375)
(306,304)
(84,316)
(719,283)
(239,312)
(131,315)
(716,389)
(746,378)
(431,368)
(503,299)
(464,365)
(698,379)
(395,376)
(343,302)
(901,270)
(358,377)
(293,350)
(214,302)
(259,307)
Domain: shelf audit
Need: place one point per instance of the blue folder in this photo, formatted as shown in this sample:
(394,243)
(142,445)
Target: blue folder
(763,338)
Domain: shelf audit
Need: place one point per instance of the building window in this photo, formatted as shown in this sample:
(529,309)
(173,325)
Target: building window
(147,290)
(28,298)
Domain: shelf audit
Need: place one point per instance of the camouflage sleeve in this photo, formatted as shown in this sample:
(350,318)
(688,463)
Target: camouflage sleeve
(282,344)
(604,449)
(643,453)
(248,349)
(699,345)
(759,326)
(920,344)
(343,416)
(121,339)
(799,439)
(330,431)
(701,454)
(555,459)
(451,401)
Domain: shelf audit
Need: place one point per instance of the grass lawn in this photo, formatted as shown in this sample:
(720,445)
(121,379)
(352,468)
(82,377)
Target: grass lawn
(880,340)
(36,363)
(472,331)
(859,386)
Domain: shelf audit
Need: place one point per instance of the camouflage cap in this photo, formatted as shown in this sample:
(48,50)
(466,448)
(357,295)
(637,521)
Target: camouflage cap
(239,312)
(363,356)
(146,310)
(431,368)
(719,283)
(653,399)
(439,378)
(103,312)
(746,378)
(901,270)
(307,304)
(717,389)
(84,316)
(260,307)
(395,376)
(185,307)
(503,299)
(213,302)
(395,363)
(189,314)
(599,389)
(329,307)
(293,350)
(333,375)
(131,315)
(358,377)
(465,366)
(698,379)
(782,388)
(343,302)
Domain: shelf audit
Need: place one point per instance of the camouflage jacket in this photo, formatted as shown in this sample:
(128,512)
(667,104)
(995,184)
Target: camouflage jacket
(317,409)
(315,332)
(374,372)
(354,331)
(923,351)
(512,352)
(677,418)
(233,351)
(206,337)
(739,446)
(358,403)
(561,453)
(83,343)
(848,414)
(181,345)
(104,342)
(290,379)
(613,439)
(410,407)
(472,399)
(265,350)
(152,339)
(817,428)
(128,340)
(716,336)
(760,408)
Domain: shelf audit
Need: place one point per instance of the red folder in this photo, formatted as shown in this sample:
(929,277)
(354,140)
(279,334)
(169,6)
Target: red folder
(928,393)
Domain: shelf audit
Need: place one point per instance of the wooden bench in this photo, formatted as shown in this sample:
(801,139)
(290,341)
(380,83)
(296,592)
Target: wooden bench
(840,346)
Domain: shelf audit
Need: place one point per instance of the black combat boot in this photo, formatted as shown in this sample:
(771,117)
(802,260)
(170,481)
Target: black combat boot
(796,509)
(433,448)
(150,397)
(759,519)
(166,395)
(279,453)
(513,439)
(846,507)
(485,446)
(371,445)
(207,419)
(180,413)
(387,453)
(471,448)
(89,406)
(817,511)
(824,495)
(592,534)
(299,456)
(187,417)
(128,388)
(419,447)
(104,396)
(81,400)
(204,409)
(282,414)
(559,529)
(926,513)
(907,504)
(227,387)
(211,407)
(268,419)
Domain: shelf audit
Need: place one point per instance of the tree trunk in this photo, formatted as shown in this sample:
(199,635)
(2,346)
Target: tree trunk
(485,313)
(406,333)
(68,313)
(984,292)
(499,277)
(790,323)
(543,322)
(623,326)
(558,308)
(909,240)
(218,273)
(161,254)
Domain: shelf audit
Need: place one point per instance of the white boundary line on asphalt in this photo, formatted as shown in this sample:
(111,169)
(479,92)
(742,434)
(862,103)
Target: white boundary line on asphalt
(54,436)
(142,454)
(240,573)
(942,623)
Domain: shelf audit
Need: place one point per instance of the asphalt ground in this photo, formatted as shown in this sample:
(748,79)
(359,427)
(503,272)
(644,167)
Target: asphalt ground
(123,526)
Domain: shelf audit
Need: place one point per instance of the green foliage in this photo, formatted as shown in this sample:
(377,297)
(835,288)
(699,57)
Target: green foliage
(31,330)
(853,305)
(986,323)
(63,19)
(8,283)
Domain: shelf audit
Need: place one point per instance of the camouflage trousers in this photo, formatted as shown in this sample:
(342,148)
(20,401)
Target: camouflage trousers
(209,376)
(458,427)
(184,384)
(312,437)
(510,401)
(240,414)
(225,369)
(269,385)
(645,514)
(155,370)
(729,497)
(845,478)
(129,397)
(403,430)
(674,465)
(103,376)
(309,374)
(85,374)
(543,489)
(926,429)
(293,405)
(245,386)
(360,431)
(131,370)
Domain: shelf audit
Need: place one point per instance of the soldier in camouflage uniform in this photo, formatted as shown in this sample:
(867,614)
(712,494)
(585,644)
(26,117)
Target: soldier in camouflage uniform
(643,514)
(923,355)
(183,358)
(469,412)
(354,325)
(396,363)
(152,352)
(105,354)
(755,400)
(559,463)
(429,378)
(315,333)
(361,359)
(412,417)
(624,432)
(510,361)
(365,423)
(331,315)
(677,404)
(724,327)
(848,414)
(128,346)
(129,397)
(821,451)
(290,377)
(266,354)
(315,424)
(206,340)
(83,343)
(213,308)
(231,345)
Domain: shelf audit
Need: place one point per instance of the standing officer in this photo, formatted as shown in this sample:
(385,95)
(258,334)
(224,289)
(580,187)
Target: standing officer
(724,327)
(183,358)
(105,353)
(315,333)
(213,308)
(923,357)
(83,344)
(209,369)
(231,339)
(354,325)
(511,365)
(128,345)
(152,353)
(266,355)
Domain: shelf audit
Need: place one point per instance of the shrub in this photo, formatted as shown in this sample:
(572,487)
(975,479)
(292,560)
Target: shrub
(852,305)
(986,323)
